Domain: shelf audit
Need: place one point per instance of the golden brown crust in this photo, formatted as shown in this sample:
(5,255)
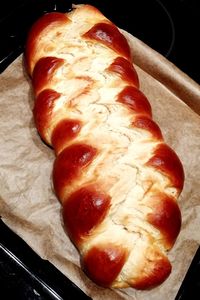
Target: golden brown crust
(39,28)
(43,72)
(146,123)
(166,161)
(117,180)
(103,263)
(109,35)
(126,71)
(156,270)
(165,216)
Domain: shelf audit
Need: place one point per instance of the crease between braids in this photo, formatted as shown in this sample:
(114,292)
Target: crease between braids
(117,180)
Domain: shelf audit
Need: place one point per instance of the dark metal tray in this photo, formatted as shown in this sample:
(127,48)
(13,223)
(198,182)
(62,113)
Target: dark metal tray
(23,274)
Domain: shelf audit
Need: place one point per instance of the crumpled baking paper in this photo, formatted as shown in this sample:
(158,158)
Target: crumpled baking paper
(28,204)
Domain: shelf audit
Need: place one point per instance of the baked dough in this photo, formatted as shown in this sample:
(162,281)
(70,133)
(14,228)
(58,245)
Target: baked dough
(117,180)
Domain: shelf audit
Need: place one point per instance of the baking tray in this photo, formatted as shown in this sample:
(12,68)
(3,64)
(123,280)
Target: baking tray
(23,274)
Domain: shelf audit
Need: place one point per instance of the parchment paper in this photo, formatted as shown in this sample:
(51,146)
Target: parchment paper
(27,202)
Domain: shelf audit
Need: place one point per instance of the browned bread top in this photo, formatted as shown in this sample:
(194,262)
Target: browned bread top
(116,178)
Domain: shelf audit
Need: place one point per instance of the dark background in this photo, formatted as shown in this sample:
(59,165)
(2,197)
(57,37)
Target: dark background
(169,27)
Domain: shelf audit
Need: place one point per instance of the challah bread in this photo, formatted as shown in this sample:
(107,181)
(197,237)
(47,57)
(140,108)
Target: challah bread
(117,180)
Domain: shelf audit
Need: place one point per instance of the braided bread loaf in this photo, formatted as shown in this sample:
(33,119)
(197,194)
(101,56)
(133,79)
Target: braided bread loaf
(116,179)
